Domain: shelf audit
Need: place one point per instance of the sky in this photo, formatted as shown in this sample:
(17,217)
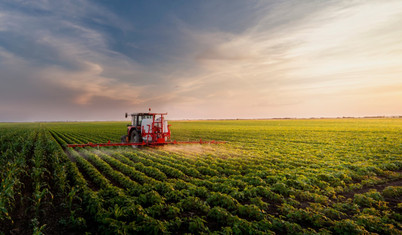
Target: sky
(95,60)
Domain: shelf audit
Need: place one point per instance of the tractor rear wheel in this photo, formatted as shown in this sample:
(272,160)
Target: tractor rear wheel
(135,138)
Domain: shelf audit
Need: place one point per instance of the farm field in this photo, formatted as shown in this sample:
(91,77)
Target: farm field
(327,176)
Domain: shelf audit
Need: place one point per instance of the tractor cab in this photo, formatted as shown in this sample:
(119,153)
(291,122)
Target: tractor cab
(147,128)
(136,118)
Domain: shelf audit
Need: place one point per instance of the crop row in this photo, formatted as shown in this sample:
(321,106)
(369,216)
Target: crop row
(33,177)
(88,132)
(225,200)
(13,166)
(154,197)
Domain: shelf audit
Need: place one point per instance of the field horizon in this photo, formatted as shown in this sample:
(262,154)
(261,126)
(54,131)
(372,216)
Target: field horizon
(224,119)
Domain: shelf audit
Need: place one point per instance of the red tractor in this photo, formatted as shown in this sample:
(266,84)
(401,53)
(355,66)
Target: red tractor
(149,129)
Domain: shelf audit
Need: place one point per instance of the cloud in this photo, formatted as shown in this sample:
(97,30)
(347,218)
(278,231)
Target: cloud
(266,59)
(314,57)
(89,83)
(47,52)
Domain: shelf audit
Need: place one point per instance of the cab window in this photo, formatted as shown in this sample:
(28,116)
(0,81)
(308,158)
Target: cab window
(135,121)
(139,120)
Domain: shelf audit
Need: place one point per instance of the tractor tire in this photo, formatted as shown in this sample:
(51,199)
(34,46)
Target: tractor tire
(124,139)
(135,138)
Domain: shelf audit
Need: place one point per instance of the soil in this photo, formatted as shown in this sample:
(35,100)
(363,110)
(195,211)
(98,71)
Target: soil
(378,187)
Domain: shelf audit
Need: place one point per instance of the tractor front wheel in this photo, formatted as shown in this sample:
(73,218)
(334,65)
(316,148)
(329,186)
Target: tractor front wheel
(124,139)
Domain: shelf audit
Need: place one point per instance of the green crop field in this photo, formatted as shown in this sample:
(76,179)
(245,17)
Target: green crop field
(327,176)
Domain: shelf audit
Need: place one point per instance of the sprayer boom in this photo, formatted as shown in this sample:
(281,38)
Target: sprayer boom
(143,143)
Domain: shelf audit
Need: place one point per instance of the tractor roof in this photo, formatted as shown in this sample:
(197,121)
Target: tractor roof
(144,114)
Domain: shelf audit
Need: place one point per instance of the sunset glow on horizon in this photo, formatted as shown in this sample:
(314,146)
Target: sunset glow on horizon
(96,60)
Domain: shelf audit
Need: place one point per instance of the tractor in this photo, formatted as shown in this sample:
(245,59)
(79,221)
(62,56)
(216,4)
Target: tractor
(146,129)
